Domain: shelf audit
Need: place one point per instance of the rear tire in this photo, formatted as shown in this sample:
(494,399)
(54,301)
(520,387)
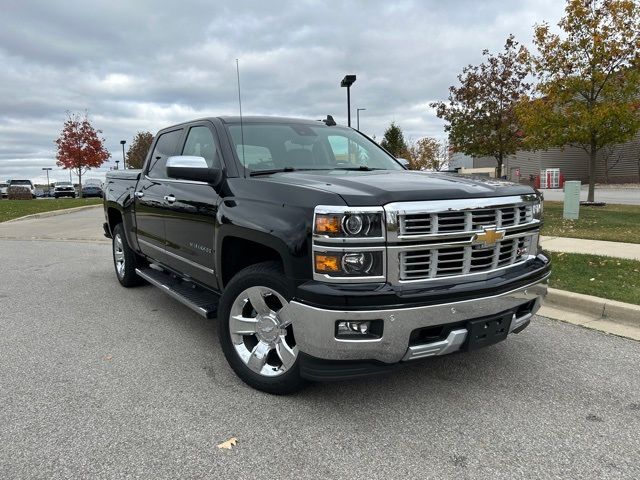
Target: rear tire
(257,342)
(125,259)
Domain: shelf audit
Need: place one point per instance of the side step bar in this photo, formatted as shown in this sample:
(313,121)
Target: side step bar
(202,301)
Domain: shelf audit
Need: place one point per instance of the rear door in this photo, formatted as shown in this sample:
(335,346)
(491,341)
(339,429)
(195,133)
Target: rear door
(150,204)
(191,218)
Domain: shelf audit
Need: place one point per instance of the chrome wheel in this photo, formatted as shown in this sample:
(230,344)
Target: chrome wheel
(260,333)
(118,255)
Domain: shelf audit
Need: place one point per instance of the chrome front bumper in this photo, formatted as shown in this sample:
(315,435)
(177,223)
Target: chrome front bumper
(314,328)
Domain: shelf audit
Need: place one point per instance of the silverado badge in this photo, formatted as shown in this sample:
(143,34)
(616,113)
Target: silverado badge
(488,237)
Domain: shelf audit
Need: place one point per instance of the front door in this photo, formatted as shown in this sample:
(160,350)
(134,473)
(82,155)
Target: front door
(190,222)
(150,204)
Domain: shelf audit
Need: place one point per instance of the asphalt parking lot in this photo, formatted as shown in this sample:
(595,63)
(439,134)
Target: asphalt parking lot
(98,381)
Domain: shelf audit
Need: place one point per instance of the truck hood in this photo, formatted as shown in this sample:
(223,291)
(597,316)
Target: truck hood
(379,187)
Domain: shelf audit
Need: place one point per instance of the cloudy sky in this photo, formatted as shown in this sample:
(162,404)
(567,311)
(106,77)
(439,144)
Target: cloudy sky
(138,65)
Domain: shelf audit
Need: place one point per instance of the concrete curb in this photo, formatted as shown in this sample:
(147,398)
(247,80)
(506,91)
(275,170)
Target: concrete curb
(52,213)
(596,307)
(610,316)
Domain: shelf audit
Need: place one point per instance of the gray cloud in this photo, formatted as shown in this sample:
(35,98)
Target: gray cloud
(145,65)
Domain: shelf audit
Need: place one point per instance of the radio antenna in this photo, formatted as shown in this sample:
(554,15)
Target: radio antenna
(244,164)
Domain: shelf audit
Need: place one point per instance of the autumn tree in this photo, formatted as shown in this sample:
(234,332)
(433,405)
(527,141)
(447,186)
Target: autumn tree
(79,146)
(480,112)
(393,141)
(429,154)
(138,149)
(588,79)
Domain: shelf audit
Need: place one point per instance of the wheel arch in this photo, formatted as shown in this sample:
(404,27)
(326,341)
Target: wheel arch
(241,248)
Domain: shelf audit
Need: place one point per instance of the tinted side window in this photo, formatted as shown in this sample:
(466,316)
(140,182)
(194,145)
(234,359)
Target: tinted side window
(200,143)
(166,146)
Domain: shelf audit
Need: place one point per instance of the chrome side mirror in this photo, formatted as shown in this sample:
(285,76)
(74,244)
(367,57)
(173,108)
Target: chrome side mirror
(186,167)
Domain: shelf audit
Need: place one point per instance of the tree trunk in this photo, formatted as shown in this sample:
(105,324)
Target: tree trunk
(593,152)
(499,168)
(79,183)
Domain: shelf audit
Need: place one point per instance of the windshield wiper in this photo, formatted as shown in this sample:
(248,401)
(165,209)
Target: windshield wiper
(362,168)
(273,170)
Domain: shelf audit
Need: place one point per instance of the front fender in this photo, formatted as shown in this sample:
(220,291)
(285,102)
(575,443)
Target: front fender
(283,228)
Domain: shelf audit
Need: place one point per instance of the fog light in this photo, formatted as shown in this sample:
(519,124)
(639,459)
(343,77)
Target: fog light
(354,327)
(359,330)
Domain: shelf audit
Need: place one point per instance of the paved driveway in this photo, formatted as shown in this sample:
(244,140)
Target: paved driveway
(98,381)
(82,225)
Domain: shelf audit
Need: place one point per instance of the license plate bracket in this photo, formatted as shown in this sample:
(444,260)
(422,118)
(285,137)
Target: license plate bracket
(489,330)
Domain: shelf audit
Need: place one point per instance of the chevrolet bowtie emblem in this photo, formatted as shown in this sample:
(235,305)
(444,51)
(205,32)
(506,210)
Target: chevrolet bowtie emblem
(488,237)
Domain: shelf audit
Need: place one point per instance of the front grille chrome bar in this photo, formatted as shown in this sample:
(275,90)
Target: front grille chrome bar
(436,240)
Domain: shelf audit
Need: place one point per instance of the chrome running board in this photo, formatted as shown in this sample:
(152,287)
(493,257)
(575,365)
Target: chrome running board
(203,302)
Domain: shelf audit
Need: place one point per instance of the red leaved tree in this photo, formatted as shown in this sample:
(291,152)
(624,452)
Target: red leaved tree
(79,146)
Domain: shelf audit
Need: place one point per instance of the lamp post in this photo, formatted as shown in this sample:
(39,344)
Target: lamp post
(358,110)
(124,162)
(117,162)
(347,81)
(48,187)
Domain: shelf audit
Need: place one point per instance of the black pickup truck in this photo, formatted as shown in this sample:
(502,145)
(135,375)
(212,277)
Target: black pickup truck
(320,255)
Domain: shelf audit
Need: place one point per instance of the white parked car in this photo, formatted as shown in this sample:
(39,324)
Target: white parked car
(64,189)
(3,189)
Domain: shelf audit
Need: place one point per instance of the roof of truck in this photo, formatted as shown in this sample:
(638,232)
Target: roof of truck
(231,119)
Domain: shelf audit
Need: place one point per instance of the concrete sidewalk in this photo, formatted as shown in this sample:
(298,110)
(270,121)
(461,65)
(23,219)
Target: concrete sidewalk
(593,247)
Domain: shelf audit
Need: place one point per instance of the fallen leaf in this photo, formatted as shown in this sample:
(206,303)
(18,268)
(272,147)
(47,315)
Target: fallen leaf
(108,357)
(229,443)
(591,279)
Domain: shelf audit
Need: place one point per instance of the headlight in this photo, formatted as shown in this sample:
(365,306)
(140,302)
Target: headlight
(356,223)
(348,264)
(538,209)
(349,244)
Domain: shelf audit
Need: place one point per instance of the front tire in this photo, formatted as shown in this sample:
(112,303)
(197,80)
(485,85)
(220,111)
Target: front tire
(125,259)
(256,338)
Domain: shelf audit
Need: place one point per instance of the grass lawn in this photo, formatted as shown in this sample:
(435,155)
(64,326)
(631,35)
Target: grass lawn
(605,277)
(616,223)
(10,209)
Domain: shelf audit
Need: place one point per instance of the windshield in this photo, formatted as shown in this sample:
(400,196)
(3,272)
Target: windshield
(63,184)
(20,182)
(297,146)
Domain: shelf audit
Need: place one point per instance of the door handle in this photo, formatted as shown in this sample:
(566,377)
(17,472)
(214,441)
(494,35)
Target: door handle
(170,198)
(139,194)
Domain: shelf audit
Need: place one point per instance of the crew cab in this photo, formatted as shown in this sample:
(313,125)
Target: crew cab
(318,253)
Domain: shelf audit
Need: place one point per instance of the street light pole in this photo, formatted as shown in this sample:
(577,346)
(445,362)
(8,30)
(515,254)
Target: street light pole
(358,110)
(124,162)
(117,162)
(48,184)
(347,81)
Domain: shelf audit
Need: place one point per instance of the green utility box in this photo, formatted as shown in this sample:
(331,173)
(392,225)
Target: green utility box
(571,200)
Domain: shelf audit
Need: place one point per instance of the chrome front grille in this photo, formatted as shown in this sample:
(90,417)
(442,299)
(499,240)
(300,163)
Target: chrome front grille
(464,221)
(447,261)
(432,240)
